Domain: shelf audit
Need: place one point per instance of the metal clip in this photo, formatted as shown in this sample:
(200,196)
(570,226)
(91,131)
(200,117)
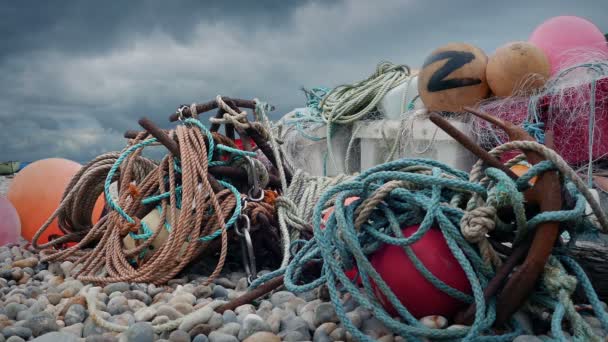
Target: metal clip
(180,112)
(247,248)
(254,180)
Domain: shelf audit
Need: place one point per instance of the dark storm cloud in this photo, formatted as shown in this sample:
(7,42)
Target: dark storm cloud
(74,75)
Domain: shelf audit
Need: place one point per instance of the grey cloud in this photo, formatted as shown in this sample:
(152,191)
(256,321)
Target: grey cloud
(75,74)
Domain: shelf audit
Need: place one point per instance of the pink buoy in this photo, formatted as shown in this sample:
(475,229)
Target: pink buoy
(569,40)
(10,225)
(413,290)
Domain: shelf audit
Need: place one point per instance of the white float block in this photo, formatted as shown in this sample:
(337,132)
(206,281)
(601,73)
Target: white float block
(395,103)
(311,155)
(422,139)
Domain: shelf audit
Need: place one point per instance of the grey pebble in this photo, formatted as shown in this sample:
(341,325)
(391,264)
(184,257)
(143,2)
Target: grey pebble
(125,319)
(321,336)
(19,339)
(179,336)
(593,321)
(292,336)
(160,320)
(75,314)
(118,305)
(219,292)
(139,295)
(116,287)
(229,316)
(230,329)
(200,338)
(220,337)
(241,285)
(153,290)
(22,332)
(355,318)
(281,297)
(374,328)
(339,334)
(203,291)
(225,282)
(252,324)
(6,274)
(13,309)
(139,332)
(143,287)
(54,298)
(91,328)
(41,323)
(274,320)
(201,316)
(145,314)
(200,329)
(101,338)
(245,310)
(297,324)
(325,312)
(527,338)
(74,329)
(216,320)
(166,310)
(73,285)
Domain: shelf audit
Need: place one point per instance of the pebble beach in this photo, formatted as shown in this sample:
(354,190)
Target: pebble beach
(42,301)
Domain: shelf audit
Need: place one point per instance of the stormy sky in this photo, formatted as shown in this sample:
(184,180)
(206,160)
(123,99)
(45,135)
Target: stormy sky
(74,75)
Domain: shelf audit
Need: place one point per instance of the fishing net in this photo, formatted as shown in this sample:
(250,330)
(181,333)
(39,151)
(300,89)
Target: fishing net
(573,104)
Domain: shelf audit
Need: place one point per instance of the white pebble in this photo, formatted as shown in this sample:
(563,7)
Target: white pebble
(434,322)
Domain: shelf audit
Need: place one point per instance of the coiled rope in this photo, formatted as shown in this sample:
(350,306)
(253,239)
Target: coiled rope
(425,192)
(110,261)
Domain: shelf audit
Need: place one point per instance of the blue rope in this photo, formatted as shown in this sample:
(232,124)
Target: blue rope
(341,247)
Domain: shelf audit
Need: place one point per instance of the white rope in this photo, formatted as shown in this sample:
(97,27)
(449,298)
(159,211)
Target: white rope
(188,321)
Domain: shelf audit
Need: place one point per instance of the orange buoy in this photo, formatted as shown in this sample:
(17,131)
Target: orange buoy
(520,170)
(452,77)
(517,67)
(10,226)
(36,193)
(98,209)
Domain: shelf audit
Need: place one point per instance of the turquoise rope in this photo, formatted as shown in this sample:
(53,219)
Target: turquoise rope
(147,232)
(340,246)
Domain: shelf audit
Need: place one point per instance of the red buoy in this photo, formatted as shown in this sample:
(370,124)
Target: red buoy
(417,294)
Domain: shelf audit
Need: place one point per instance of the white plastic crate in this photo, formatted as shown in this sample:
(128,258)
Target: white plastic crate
(395,103)
(311,155)
(420,138)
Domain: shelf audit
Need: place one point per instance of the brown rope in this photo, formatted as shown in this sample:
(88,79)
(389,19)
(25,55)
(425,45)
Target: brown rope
(109,260)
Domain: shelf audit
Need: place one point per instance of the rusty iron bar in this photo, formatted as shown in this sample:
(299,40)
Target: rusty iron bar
(547,191)
(518,254)
(469,144)
(205,107)
(172,146)
(260,291)
(252,295)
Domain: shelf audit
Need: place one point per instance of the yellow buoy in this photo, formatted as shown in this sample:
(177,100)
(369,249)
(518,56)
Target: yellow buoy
(452,77)
(517,67)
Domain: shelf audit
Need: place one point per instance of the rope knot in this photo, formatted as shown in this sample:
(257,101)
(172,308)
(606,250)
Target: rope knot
(131,227)
(475,224)
(134,191)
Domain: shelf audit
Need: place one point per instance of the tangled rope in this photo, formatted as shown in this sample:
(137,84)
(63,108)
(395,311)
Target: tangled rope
(480,217)
(418,191)
(110,261)
(78,200)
